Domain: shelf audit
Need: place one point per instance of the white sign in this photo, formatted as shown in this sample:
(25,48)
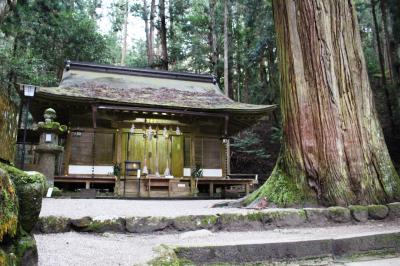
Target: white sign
(181,185)
(48,138)
(49,192)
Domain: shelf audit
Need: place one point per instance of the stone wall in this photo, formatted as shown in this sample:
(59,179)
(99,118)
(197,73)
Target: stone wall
(8,126)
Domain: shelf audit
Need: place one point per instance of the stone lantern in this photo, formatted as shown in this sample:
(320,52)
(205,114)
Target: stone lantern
(48,148)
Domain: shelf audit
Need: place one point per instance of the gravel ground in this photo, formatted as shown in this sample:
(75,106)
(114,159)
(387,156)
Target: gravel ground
(129,249)
(111,208)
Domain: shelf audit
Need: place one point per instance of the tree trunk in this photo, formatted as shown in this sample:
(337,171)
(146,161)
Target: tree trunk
(333,149)
(146,29)
(151,33)
(125,33)
(226,49)
(163,36)
(382,67)
(5,6)
(386,38)
(213,39)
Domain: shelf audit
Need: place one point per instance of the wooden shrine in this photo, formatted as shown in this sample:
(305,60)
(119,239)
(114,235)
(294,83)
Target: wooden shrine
(145,131)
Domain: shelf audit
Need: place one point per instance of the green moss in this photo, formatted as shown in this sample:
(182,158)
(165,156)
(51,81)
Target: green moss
(279,189)
(8,207)
(167,256)
(209,220)
(358,208)
(20,177)
(95,226)
(56,192)
(257,216)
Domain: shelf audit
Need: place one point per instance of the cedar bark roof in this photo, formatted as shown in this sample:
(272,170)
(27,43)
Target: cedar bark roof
(142,87)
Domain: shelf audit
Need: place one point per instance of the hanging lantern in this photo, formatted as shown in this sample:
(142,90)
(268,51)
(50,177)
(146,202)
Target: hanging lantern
(178,131)
(132,130)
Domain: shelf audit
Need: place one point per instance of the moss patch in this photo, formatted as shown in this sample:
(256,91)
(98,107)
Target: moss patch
(8,207)
(20,177)
(167,257)
(279,189)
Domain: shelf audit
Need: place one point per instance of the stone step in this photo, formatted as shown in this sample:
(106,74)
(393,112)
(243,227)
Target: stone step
(266,252)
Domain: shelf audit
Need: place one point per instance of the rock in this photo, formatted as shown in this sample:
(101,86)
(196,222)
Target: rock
(339,214)
(378,212)
(30,204)
(81,223)
(8,207)
(26,251)
(56,192)
(21,251)
(359,213)
(147,224)
(282,218)
(238,222)
(186,223)
(394,209)
(30,188)
(54,224)
(114,225)
(317,216)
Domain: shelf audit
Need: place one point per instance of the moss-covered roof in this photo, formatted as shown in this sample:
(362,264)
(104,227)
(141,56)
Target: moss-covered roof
(136,89)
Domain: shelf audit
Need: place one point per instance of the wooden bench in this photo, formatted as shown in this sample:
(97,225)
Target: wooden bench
(246,182)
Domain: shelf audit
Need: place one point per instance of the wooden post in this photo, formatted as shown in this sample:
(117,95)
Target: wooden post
(211,189)
(228,148)
(67,156)
(247,189)
(94,113)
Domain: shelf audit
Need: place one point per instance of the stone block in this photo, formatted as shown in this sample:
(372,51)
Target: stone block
(394,209)
(317,216)
(378,212)
(359,213)
(339,214)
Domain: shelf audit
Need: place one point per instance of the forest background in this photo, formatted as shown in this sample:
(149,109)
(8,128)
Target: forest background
(231,39)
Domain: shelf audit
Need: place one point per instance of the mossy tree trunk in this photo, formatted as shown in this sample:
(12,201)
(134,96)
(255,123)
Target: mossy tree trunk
(333,148)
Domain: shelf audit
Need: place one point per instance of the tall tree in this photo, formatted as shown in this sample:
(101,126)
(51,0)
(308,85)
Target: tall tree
(145,16)
(333,148)
(382,65)
(163,36)
(213,37)
(151,32)
(125,32)
(5,6)
(226,48)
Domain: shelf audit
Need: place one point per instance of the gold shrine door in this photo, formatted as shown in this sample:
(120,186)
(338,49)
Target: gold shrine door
(164,151)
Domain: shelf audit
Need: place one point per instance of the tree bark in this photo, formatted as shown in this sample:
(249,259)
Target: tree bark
(213,39)
(333,149)
(163,36)
(385,24)
(146,29)
(125,33)
(382,67)
(226,49)
(151,33)
(5,6)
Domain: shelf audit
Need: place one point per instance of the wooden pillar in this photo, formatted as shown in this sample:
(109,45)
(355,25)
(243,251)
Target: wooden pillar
(247,189)
(67,156)
(227,147)
(94,120)
(211,189)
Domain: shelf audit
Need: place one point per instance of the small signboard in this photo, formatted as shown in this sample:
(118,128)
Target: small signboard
(181,185)
(48,138)
(49,192)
